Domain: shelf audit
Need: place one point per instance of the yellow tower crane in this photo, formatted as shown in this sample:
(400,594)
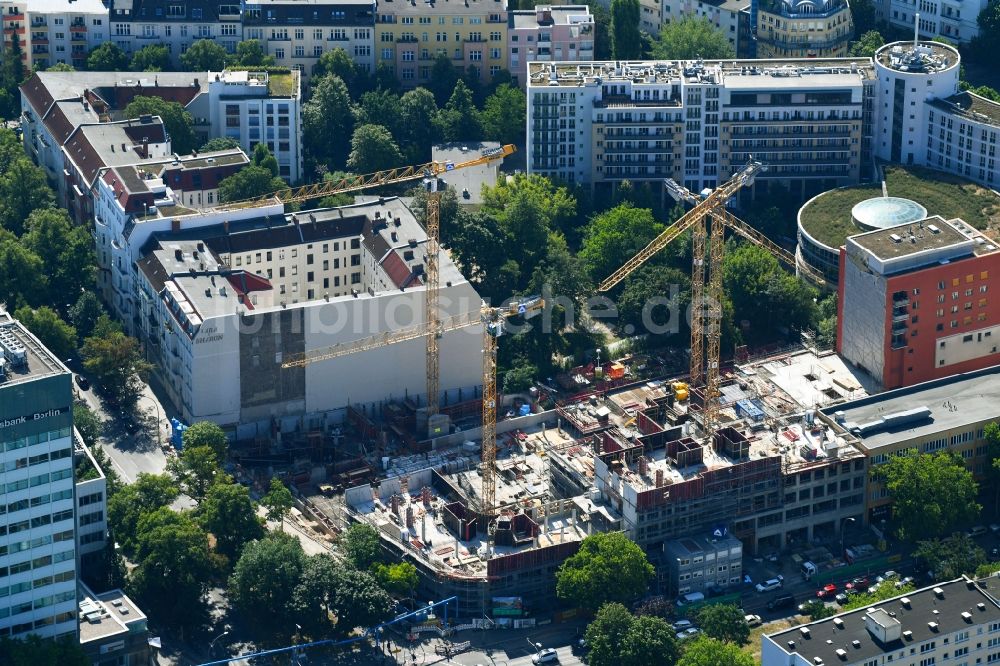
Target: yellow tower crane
(706,321)
(429,173)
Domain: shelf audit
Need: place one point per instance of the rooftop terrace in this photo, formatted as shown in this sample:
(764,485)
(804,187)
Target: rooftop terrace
(22,356)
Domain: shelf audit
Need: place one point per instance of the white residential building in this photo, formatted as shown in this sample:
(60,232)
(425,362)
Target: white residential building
(91,504)
(955,20)
(548,33)
(38,553)
(54,31)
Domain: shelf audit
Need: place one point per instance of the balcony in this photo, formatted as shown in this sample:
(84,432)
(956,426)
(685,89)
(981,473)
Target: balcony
(78,37)
(39,41)
(39,50)
(78,27)
(16,29)
(13,17)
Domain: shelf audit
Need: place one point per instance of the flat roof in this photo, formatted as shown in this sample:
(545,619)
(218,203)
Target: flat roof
(470,178)
(926,57)
(913,238)
(971,106)
(106,614)
(954,402)
(926,616)
(527,19)
(67,6)
(40,361)
(424,7)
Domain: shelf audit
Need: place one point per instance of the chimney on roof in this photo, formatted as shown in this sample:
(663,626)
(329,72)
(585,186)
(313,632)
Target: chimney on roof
(195,84)
(225,226)
(175,225)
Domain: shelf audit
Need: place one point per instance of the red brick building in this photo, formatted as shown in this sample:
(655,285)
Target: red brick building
(919,302)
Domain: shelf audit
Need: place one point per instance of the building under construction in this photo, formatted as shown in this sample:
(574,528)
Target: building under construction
(626,455)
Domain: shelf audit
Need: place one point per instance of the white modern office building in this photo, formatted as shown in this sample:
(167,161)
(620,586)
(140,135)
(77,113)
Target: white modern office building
(38,552)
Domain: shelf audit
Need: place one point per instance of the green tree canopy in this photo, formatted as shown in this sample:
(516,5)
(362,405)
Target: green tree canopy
(418,131)
(84,313)
(207,433)
(692,37)
(606,633)
(151,58)
(327,121)
(649,640)
(58,336)
(626,41)
(20,268)
(23,190)
(205,55)
(177,121)
(149,493)
(229,514)
(278,501)
(615,236)
(886,590)
(989,23)
(248,183)
(399,578)
(87,422)
(219,143)
(195,469)
(444,78)
(373,149)
(608,567)
(337,62)
(108,57)
(264,580)
(33,650)
(314,595)
(950,557)
(358,601)
(61,67)
(867,44)
(250,53)
(643,303)
(556,205)
(765,295)
(991,433)
(503,116)
(725,622)
(865,16)
(933,494)
(116,362)
(706,651)
(361,545)
(174,566)
(66,250)
(459,119)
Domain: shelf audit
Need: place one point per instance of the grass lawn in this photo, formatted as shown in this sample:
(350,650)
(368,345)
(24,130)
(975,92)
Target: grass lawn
(753,647)
(281,85)
(828,219)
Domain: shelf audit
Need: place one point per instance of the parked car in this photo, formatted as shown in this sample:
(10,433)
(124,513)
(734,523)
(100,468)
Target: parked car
(753,620)
(841,598)
(769,585)
(904,581)
(688,633)
(827,591)
(82,382)
(546,656)
(781,601)
(680,625)
(860,584)
(772,557)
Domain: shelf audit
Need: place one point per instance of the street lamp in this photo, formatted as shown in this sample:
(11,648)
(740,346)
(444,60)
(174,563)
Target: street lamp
(537,647)
(843,524)
(211,645)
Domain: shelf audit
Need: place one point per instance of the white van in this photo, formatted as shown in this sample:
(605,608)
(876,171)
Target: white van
(808,570)
(690,598)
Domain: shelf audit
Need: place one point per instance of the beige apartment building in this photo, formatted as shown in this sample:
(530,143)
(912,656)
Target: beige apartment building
(54,31)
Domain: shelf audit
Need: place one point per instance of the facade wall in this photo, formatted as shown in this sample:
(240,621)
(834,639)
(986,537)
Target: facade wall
(785,33)
(955,20)
(543,40)
(53,35)
(724,16)
(963,143)
(37,540)
(409,38)
(861,322)
(91,508)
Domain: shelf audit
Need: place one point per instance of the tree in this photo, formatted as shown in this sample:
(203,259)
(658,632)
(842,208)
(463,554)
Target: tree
(987,92)
(519,378)
(626,42)
(174,566)
(327,121)
(991,433)
(950,557)
(373,149)
(249,182)
(932,493)
(725,622)
(228,513)
(444,78)
(503,116)
(886,590)
(705,651)
(380,107)
(250,53)
(61,67)
(640,306)
(87,422)
(989,23)
(125,508)
(108,57)
(117,363)
(357,600)
(649,640)
(195,469)
(459,119)
(206,433)
(340,199)
(23,190)
(337,62)
(608,567)
(264,580)
(606,633)
(278,501)
(867,44)
(399,578)
(864,15)
(33,650)
(84,313)
(817,610)
(151,58)
(764,294)
(205,55)
(418,132)
(58,336)
(66,250)
(20,268)
(220,143)
(692,37)
(615,236)
(177,121)
(313,597)
(555,204)
(361,545)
